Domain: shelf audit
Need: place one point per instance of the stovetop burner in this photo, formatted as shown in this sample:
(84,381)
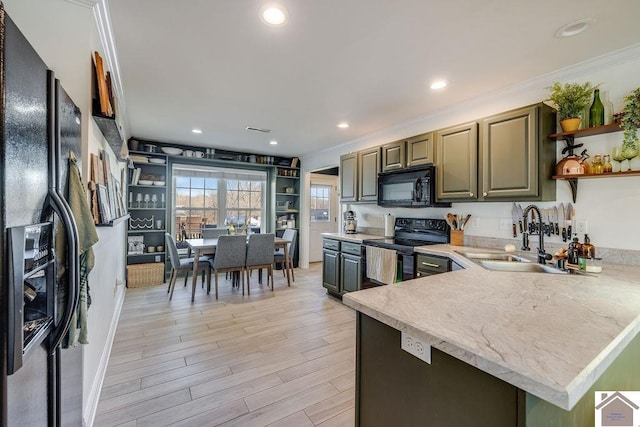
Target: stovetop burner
(412,232)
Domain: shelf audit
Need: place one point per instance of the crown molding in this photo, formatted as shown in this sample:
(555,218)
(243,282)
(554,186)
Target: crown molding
(84,3)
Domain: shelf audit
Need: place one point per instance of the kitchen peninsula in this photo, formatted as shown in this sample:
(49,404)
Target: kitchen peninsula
(506,348)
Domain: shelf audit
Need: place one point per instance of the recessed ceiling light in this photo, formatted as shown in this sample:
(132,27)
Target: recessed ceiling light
(343,125)
(574,28)
(196,131)
(438,84)
(273,15)
(273,142)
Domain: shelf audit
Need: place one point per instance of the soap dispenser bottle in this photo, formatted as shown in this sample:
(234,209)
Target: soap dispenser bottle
(588,250)
(574,251)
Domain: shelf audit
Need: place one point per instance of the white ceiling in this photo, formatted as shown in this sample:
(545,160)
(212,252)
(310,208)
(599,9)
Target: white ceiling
(213,65)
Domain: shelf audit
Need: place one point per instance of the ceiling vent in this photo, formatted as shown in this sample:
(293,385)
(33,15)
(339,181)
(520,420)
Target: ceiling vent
(258,129)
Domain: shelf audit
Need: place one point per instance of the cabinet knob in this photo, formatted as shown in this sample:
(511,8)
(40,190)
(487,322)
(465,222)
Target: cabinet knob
(471,194)
(484,194)
(419,274)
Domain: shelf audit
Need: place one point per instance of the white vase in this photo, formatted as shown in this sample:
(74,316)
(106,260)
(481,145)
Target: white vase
(615,166)
(634,164)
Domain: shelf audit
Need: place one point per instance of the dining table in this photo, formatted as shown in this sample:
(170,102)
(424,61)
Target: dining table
(201,247)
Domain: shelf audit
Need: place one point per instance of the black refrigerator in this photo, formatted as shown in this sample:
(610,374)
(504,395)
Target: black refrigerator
(40,383)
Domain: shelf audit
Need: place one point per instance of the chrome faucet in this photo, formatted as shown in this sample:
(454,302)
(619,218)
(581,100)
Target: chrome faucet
(542,255)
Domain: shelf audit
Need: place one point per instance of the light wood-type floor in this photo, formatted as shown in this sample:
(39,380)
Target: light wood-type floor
(270,359)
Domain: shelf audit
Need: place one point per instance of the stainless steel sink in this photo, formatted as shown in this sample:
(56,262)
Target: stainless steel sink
(519,267)
(493,256)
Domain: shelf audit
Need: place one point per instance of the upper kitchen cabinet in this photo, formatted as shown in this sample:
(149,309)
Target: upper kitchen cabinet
(414,151)
(393,155)
(359,176)
(420,150)
(349,177)
(368,169)
(457,162)
(516,162)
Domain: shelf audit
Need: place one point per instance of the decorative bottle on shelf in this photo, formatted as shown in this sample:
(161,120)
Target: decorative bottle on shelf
(607,167)
(596,112)
(596,168)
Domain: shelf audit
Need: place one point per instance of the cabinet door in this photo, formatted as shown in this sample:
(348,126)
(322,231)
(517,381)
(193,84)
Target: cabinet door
(349,177)
(330,271)
(457,162)
(369,166)
(350,272)
(420,150)
(509,144)
(393,155)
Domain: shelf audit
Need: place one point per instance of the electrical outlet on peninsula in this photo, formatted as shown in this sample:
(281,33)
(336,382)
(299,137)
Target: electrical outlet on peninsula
(416,347)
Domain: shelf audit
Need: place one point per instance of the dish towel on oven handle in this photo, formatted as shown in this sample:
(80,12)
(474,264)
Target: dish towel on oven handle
(381,264)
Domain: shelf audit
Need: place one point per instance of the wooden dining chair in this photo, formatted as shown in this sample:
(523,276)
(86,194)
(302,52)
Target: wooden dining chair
(183,264)
(231,254)
(260,253)
(289,234)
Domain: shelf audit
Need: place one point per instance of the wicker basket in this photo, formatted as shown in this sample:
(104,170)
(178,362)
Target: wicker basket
(139,275)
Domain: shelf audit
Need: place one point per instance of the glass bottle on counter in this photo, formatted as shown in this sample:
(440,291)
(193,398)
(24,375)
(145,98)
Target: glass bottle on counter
(596,168)
(588,250)
(607,167)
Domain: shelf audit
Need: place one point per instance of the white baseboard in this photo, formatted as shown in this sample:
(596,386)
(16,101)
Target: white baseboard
(89,413)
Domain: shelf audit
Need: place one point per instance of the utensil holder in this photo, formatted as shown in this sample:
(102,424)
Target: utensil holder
(457,237)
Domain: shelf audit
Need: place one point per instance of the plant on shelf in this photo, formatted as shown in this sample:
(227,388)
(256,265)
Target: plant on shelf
(570,99)
(630,123)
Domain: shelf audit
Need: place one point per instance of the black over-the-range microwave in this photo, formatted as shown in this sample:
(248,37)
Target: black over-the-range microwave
(409,188)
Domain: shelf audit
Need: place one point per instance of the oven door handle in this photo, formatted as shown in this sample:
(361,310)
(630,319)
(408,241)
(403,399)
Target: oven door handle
(428,264)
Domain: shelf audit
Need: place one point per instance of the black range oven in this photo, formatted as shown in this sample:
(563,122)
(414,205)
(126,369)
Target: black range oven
(409,233)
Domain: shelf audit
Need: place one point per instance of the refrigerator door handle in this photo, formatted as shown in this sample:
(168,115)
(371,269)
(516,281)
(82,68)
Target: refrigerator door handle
(62,209)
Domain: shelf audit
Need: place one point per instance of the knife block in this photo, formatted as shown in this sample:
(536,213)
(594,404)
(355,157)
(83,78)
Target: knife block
(457,237)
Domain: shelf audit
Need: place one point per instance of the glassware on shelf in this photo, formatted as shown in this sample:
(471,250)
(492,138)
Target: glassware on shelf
(630,150)
(597,165)
(147,199)
(139,200)
(607,167)
(616,154)
(162,200)
(154,200)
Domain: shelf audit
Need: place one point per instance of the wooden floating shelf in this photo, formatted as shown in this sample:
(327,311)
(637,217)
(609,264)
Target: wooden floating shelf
(597,130)
(602,175)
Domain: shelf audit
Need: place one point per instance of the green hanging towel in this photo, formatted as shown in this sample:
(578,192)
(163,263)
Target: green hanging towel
(87,237)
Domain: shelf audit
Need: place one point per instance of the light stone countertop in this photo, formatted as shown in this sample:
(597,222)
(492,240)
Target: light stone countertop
(353,238)
(548,334)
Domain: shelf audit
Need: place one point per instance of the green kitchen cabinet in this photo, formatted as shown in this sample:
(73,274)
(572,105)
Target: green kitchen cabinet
(368,167)
(517,156)
(457,163)
(331,265)
(420,150)
(393,155)
(349,177)
(409,152)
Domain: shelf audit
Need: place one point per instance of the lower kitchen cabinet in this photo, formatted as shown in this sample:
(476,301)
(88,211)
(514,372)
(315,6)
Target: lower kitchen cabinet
(331,270)
(342,266)
(394,388)
(350,272)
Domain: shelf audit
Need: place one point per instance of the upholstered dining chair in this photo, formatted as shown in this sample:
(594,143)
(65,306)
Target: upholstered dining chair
(231,253)
(212,233)
(183,264)
(289,234)
(260,254)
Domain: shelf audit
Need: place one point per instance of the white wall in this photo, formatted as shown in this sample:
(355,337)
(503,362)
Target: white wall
(64,34)
(609,205)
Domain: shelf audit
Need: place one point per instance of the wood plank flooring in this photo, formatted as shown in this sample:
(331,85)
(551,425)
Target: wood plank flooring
(270,359)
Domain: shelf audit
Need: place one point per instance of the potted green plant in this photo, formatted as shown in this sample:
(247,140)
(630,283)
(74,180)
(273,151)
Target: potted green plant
(570,99)
(630,122)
